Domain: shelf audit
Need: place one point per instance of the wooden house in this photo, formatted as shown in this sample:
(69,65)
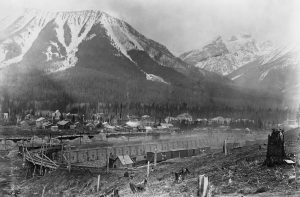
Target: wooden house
(47,125)
(39,122)
(90,126)
(64,124)
(123,161)
(24,124)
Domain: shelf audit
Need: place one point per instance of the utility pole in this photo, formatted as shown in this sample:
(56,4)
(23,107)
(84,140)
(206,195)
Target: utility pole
(155,157)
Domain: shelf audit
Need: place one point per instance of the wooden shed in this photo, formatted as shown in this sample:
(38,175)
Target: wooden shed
(123,161)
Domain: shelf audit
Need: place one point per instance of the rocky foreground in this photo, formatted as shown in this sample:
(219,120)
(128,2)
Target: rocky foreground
(241,173)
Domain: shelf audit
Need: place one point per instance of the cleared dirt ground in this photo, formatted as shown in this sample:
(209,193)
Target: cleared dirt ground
(241,173)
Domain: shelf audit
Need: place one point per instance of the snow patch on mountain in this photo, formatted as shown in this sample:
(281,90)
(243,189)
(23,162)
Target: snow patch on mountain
(263,75)
(90,37)
(119,35)
(152,77)
(236,77)
(75,25)
(50,55)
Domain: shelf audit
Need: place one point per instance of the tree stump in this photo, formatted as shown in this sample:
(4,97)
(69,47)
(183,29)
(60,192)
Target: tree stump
(203,186)
(275,149)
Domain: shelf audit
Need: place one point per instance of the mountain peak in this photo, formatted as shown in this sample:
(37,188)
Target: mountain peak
(90,53)
(224,56)
(51,41)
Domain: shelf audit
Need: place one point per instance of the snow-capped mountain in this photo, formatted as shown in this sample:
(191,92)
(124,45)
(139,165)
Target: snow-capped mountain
(277,69)
(224,56)
(90,55)
(252,65)
(70,29)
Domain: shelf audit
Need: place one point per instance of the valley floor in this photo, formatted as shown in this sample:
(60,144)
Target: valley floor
(240,173)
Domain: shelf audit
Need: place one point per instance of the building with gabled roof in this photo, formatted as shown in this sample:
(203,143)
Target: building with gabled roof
(63,124)
(39,122)
(184,117)
(123,161)
(47,125)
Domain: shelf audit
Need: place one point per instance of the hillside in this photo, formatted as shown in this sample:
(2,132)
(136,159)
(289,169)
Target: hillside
(228,176)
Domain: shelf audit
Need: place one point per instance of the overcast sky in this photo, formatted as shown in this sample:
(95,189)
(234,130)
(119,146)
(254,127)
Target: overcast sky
(183,25)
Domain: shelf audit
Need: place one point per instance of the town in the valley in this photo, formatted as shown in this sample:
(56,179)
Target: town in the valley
(127,98)
(106,144)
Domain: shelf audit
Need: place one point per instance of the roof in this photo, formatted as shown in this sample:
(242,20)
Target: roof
(184,115)
(133,123)
(47,123)
(24,122)
(40,119)
(288,161)
(125,159)
(63,122)
(218,118)
(145,116)
(200,119)
(90,124)
(106,125)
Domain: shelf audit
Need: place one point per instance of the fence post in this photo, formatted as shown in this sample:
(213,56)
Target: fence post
(225,147)
(107,161)
(34,170)
(155,157)
(98,183)
(23,153)
(148,169)
(69,158)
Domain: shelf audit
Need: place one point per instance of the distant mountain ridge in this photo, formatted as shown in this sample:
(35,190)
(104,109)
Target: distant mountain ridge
(225,56)
(90,56)
(278,70)
(250,64)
